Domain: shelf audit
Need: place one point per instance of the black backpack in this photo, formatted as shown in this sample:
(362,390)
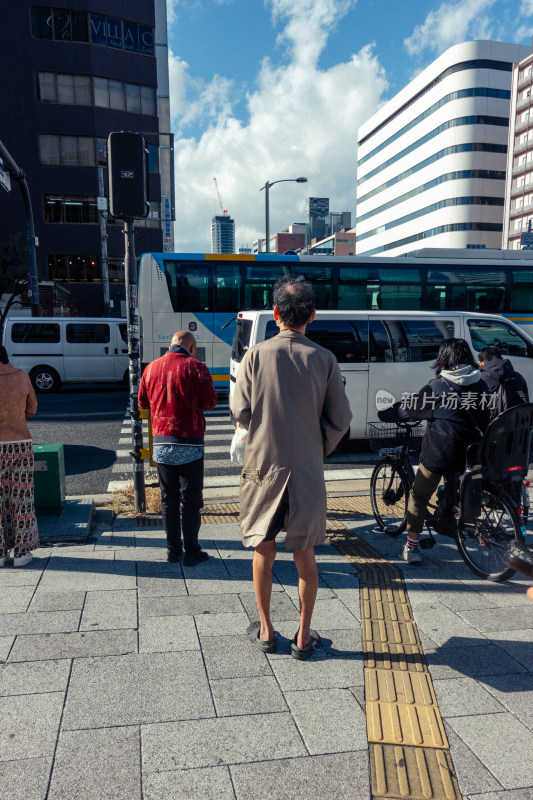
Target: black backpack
(511,392)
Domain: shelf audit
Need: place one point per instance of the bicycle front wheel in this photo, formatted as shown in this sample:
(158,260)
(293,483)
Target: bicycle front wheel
(389,493)
(483,543)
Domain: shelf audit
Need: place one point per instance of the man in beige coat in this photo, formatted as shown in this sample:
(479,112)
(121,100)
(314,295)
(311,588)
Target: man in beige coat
(290,397)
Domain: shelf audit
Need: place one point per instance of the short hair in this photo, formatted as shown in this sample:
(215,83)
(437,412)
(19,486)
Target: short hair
(452,353)
(489,353)
(4,358)
(295,299)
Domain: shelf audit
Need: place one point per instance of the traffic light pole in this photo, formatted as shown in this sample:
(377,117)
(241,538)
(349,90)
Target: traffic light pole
(132,314)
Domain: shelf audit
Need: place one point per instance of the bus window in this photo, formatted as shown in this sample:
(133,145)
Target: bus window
(521,296)
(399,289)
(354,291)
(195,288)
(467,290)
(487,332)
(228,287)
(322,281)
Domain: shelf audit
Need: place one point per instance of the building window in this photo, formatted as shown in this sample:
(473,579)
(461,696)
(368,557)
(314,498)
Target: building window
(65,25)
(70,208)
(63,267)
(85,90)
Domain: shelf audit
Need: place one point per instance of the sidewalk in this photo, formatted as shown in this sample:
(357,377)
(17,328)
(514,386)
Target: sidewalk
(125,677)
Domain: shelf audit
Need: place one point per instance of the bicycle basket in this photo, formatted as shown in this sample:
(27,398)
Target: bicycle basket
(387,434)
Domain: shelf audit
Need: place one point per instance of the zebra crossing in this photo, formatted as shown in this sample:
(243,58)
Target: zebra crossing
(218,469)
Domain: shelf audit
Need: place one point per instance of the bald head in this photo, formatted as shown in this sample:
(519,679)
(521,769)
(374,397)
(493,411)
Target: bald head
(186,340)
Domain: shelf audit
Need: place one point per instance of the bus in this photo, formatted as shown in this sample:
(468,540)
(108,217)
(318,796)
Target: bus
(203,293)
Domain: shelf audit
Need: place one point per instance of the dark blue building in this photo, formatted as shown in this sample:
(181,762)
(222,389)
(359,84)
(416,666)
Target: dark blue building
(73,72)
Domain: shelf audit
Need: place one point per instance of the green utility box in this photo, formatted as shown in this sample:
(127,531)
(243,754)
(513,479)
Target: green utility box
(49,478)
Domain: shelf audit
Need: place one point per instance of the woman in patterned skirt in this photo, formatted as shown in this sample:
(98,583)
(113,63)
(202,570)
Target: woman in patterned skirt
(18,525)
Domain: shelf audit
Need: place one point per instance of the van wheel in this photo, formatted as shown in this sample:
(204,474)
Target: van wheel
(45,380)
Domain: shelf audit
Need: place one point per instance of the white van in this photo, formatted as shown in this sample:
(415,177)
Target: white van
(56,350)
(382,354)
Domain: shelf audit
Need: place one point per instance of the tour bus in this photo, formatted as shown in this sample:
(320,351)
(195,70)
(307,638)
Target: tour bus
(203,292)
(382,354)
(56,350)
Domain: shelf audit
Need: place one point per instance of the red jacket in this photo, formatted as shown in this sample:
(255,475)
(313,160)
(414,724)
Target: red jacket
(177,389)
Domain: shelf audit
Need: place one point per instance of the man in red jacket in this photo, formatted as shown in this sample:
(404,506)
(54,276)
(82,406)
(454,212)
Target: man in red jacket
(178,389)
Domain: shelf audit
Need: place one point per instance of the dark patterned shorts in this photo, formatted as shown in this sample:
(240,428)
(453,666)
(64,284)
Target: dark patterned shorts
(18,525)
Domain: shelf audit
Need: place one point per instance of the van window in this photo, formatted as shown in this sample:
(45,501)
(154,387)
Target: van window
(87,333)
(35,332)
(123,330)
(241,339)
(347,340)
(411,341)
(487,332)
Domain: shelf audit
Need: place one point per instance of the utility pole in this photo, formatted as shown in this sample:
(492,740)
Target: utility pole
(19,176)
(102,213)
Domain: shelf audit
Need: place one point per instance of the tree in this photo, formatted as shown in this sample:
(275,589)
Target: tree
(13,273)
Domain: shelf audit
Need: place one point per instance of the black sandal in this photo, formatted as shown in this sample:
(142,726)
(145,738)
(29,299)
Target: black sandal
(313,644)
(265,645)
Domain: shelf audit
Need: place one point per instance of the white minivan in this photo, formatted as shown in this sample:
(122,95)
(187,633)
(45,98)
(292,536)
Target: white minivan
(383,354)
(56,350)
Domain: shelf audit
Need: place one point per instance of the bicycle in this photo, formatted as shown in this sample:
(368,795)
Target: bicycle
(478,509)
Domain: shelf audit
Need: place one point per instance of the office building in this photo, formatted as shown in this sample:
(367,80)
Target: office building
(73,74)
(337,221)
(222,234)
(518,217)
(431,162)
(341,243)
(316,213)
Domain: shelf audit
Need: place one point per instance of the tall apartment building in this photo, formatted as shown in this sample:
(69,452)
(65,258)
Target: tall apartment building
(222,234)
(431,162)
(73,72)
(316,213)
(519,185)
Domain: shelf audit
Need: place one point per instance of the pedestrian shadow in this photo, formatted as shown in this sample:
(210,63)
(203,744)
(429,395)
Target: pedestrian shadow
(81,458)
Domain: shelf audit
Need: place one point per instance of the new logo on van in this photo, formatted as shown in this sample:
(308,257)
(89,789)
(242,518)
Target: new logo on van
(384,399)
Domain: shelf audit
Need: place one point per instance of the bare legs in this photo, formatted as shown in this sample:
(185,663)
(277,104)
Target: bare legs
(264,557)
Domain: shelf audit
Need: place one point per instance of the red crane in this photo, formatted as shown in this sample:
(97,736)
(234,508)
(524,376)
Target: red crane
(224,212)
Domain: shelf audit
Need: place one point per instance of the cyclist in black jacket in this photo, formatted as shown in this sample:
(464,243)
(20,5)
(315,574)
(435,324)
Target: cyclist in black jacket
(507,386)
(455,407)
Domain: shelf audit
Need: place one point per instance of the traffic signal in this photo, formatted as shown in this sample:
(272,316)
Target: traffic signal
(128,175)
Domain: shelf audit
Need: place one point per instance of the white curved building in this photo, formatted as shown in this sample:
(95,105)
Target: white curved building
(432,161)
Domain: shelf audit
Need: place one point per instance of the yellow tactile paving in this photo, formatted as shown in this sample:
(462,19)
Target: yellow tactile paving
(385,655)
(412,773)
(405,724)
(397,686)
(387,630)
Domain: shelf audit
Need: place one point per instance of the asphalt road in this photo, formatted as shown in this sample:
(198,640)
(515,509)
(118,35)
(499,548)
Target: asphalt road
(86,419)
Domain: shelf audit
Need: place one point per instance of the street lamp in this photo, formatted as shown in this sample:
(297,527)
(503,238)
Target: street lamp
(266,187)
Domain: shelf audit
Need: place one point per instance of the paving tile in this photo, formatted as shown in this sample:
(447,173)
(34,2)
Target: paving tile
(233,657)
(514,692)
(39,622)
(30,724)
(109,610)
(133,554)
(455,660)
(221,624)
(97,764)
(507,794)
(161,585)
(23,576)
(342,644)
(184,606)
(343,776)
(163,634)
(333,615)
(67,574)
(133,689)
(35,677)
(501,742)
(6,643)
(501,619)
(328,673)
(455,595)
(247,696)
(465,696)
(57,601)
(73,645)
(329,720)
(519,645)
(209,783)
(440,624)
(15,599)
(219,741)
(26,779)
(281,607)
(472,775)
(227,585)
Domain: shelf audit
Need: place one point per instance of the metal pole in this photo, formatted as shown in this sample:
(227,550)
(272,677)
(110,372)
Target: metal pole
(132,314)
(267,218)
(103,246)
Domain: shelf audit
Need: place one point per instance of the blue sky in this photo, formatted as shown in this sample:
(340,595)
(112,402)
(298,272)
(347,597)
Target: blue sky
(276,89)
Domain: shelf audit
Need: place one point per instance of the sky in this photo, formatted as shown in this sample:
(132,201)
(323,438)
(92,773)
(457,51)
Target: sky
(266,90)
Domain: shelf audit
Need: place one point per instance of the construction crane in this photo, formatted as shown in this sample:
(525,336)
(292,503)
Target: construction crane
(224,212)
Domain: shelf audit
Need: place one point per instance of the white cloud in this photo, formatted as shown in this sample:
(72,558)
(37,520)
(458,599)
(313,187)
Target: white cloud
(301,120)
(450,23)
(526,8)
